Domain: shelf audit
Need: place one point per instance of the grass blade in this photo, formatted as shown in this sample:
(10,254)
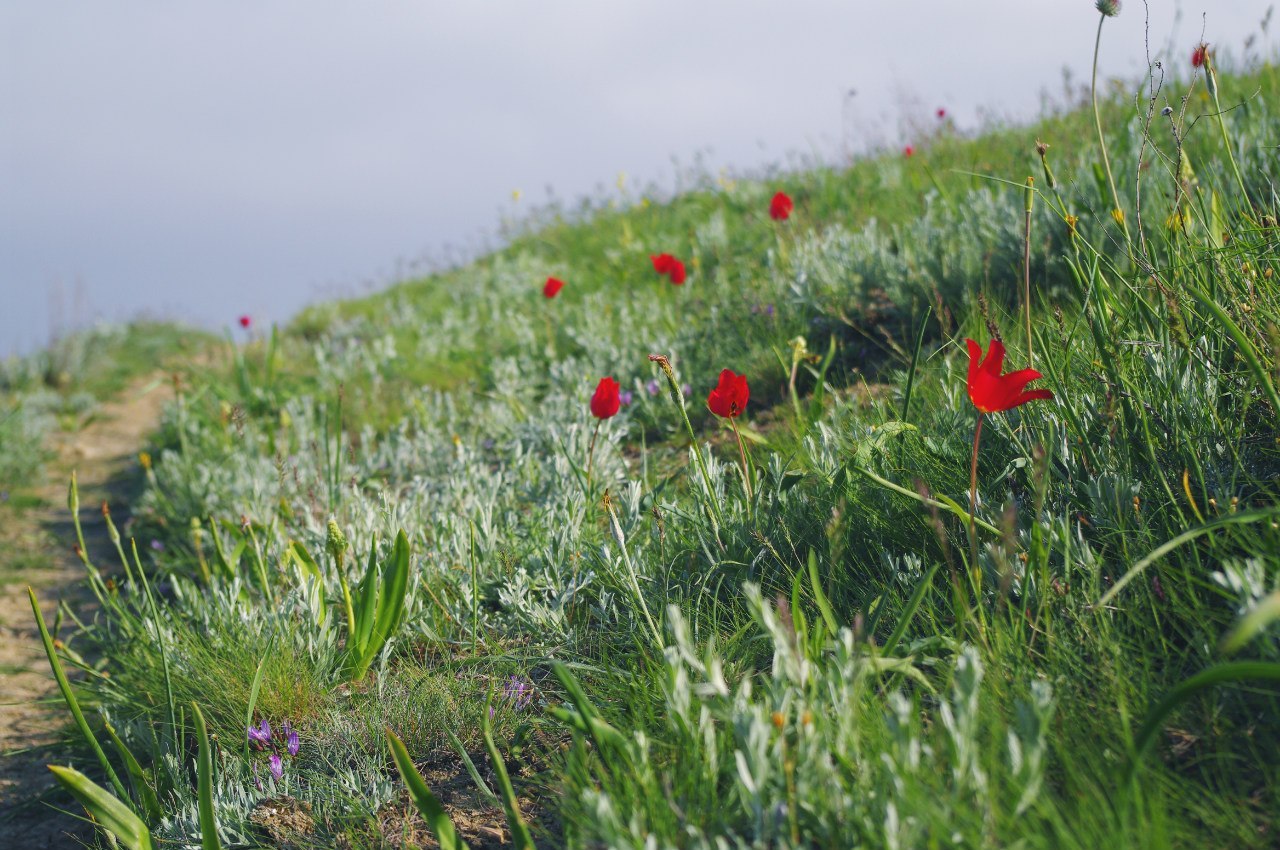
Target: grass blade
(428,804)
(204,785)
(64,685)
(520,835)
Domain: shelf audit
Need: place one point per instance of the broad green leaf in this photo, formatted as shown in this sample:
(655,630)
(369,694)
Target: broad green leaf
(113,816)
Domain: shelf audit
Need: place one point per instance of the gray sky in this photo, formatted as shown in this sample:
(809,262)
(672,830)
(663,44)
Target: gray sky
(201,161)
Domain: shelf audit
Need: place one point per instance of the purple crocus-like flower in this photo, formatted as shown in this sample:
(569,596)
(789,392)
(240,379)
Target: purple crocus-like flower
(652,387)
(518,692)
(292,744)
(625,398)
(157,545)
(260,734)
(768,310)
(276,765)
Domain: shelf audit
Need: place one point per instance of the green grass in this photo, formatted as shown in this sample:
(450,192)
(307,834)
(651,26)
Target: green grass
(899,693)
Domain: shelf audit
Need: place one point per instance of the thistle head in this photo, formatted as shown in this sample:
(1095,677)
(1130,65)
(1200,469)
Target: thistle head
(1109,8)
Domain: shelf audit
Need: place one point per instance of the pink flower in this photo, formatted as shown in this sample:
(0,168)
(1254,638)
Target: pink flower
(245,321)
(942,113)
(909,151)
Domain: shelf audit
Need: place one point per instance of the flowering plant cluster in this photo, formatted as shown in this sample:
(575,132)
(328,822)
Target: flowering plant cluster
(287,743)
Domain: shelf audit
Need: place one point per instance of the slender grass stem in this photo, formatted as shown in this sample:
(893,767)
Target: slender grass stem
(742,454)
(973,497)
(1102,141)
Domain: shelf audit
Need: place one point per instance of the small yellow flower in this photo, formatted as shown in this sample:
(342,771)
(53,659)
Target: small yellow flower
(144,458)
(1118,215)
(516,194)
(1072,221)
(622,181)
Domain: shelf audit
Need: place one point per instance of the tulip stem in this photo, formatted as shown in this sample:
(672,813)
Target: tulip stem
(1026,268)
(742,453)
(1102,141)
(973,497)
(591,453)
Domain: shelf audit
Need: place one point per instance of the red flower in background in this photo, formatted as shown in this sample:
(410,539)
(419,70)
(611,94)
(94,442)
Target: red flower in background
(942,113)
(729,398)
(245,321)
(780,207)
(992,392)
(552,287)
(1200,55)
(605,402)
(909,151)
(677,272)
(662,263)
(670,266)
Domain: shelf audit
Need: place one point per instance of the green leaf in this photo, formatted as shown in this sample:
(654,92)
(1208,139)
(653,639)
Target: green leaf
(1254,621)
(111,815)
(204,785)
(428,804)
(824,606)
(1230,671)
(520,834)
(64,685)
(303,559)
(138,777)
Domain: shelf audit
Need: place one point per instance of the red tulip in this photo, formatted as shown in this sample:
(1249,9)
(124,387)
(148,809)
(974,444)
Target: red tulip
(677,272)
(942,113)
(1200,55)
(729,398)
(245,321)
(908,151)
(552,287)
(780,207)
(605,402)
(992,392)
(662,263)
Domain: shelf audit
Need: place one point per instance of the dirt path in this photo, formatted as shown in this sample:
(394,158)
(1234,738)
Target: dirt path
(36,549)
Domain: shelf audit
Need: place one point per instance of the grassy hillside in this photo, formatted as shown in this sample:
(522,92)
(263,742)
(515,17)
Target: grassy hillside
(806,641)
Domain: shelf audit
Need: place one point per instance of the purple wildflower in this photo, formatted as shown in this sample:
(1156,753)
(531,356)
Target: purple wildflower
(652,387)
(686,389)
(157,545)
(276,765)
(260,734)
(292,744)
(768,310)
(625,397)
(518,692)
(257,780)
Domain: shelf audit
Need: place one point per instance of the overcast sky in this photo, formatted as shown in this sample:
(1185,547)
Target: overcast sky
(199,161)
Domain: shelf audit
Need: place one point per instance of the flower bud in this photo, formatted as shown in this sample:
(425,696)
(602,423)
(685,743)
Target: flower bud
(1109,8)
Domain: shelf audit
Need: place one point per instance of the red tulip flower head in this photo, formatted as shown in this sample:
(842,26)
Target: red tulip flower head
(992,392)
(909,151)
(662,263)
(1200,55)
(941,113)
(677,272)
(552,287)
(780,207)
(669,266)
(245,321)
(605,402)
(729,398)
